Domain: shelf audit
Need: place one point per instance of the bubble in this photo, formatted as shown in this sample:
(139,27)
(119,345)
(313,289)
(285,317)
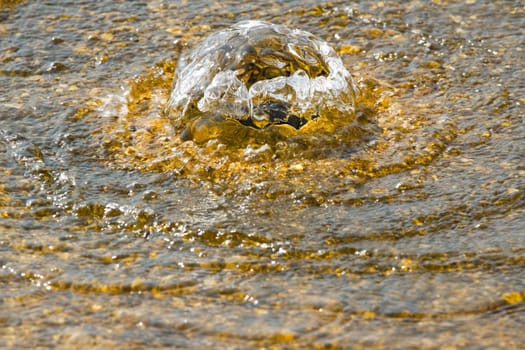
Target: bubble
(259,74)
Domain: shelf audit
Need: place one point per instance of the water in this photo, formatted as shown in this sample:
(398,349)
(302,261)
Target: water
(262,75)
(402,229)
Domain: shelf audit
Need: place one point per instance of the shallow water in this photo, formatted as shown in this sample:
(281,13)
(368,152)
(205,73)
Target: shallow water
(404,229)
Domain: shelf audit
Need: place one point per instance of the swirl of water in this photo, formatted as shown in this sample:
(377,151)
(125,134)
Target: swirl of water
(261,74)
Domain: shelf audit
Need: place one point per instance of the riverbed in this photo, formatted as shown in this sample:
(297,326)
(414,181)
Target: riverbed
(403,229)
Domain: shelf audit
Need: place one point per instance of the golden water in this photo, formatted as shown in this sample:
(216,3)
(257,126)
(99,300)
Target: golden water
(403,229)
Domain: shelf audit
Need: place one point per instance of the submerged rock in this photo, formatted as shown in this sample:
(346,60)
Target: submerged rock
(259,74)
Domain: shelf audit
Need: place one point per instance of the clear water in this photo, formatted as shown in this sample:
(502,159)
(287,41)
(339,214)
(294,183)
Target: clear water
(402,230)
(262,75)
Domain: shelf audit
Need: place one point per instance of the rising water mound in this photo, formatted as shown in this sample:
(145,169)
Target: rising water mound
(259,75)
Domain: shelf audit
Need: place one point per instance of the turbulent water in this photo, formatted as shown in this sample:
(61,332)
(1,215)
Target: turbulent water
(261,75)
(400,225)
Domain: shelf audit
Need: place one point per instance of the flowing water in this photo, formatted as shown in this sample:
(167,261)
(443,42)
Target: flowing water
(401,226)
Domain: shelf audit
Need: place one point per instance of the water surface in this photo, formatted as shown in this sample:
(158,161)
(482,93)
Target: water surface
(402,230)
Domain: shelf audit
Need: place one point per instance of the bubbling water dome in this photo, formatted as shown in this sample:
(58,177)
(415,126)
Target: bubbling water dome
(260,74)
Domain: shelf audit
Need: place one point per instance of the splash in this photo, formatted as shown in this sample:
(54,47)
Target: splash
(260,75)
